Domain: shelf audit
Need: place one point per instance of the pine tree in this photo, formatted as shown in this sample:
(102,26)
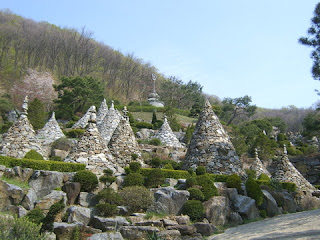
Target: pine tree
(36,114)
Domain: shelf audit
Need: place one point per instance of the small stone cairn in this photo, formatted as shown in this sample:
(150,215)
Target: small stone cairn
(123,142)
(83,122)
(91,149)
(210,146)
(286,172)
(258,166)
(167,137)
(20,137)
(49,133)
(103,109)
(109,123)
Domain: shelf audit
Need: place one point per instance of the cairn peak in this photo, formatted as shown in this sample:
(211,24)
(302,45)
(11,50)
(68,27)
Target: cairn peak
(103,109)
(166,135)
(83,122)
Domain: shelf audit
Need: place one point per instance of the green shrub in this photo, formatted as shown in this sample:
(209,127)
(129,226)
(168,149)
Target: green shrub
(74,133)
(291,187)
(263,213)
(35,215)
(106,209)
(191,182)
(155,142)
(62,144)
(254,191)
(264,177)
(281,137)
(33,154)
(218,177)
(134,166)
(134,156)
(251,173)
(107,172)
(275,184)
(87,180)
(194,209)
(234,181)
(195,194)
(136,198)
(291,151)
(263,183)
(55,158)
(174,164)
(154,178)
(201,170)
(207,186)
(133,179)
(107,179)
(47,222)
(168,166)
(108,195)
(167,173)
(156,162)
(5,126)
(317,186)
(157,124)
(143,125)
(70,124)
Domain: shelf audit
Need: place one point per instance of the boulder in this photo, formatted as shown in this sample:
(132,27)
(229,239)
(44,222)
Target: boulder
(169,200)
(106,224)
(217,210)
(29,199)
(168,222)
(22,174)
(184,229)
(154,223)
(137,232)
(205,229)
(269,204)
(46,202)
(170,234)
(171,182)
(246,207)
(65,231)
(183,219)
(107,235)
(286,201)
(59,153)
(88,199)
(10,194)
(18,211)
(79,214)
(234,218)
(72,189)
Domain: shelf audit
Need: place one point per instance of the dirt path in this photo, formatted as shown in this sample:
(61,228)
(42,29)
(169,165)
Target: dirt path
(302,225)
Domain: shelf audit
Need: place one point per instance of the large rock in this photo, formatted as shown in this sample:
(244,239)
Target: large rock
(169,200)
(106,224)
(206,229)
(184,229)
(18,211)
(217,210)
(170,234)
(246,207)
(46,202)
(286,201)
(88,199)
(23,174)
(43,182)
(79,214)
(10,195)
(107,235)
(269,204)
(72,190)
(137,232)
(66,231)
(29,199)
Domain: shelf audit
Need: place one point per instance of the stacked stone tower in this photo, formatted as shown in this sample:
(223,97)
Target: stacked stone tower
(91,148)
(103,109)
(166,135)
(83,122)
(210,146)
(258,166)
(286,172)
(20,137)
(123,143)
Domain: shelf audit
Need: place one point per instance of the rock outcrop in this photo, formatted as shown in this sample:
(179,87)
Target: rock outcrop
(210,146)
(167,137)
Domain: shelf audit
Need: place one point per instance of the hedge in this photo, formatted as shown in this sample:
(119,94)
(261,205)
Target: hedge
(41,164)
(151,109)
(167,173)
(218,177)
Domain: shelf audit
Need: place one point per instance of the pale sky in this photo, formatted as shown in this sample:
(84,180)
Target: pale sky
(232,48)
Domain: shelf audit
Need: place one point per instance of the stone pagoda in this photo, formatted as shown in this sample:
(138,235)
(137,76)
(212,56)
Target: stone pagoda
(109,123)
(210,146)
(258,166)
(123,143)
(20,137)
(103,109)
(49,133)
(153,97)
(92,150)
(167,137)
(83,122)
(286,172)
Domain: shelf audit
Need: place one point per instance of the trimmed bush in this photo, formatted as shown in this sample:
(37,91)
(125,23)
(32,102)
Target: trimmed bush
(254,191)
(167,173)
(191,182)
(195,194)
(218,177)
(136,198)
(55,158)
(107,179)
(194,209)
(133,179)
(108,195)
(34,155)
(168,166)
(264,177)
(154,178)
(134,156)
(134,166)
(291,187)
(234,181)
(156,162)
(87,180)
(207,186)
(106,209)
(155,142)
(35,215)
(251,173)
(143,125)
(201,170)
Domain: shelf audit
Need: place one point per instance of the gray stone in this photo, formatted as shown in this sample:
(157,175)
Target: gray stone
(183,219)
(234,218)
(18,211)
(153,223)
(169,222)
(83,122)
(29,199)
(88,199)
(217,210)
(59,153)
(170,234)
(167,137)
(79,214)
(184,229)
(47,201)
(286,201)
(10,195)
(64,231)
(246,207)
(107,235)
(106,224)
(169,200)
(269,204)
(205,229)
(103,109)
(137,232)
(72,190)
(23,174)
(171,182)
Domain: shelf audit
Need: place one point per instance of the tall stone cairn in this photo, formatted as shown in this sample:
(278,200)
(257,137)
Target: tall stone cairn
(91,148)
(286,172)
(109,123)
(20,137)
(123,142)
(167,137)
(210,146)
(49,133)
(83,122)
(103,109)
(258,166)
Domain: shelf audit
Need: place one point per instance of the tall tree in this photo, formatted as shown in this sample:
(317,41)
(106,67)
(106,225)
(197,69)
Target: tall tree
(36,114)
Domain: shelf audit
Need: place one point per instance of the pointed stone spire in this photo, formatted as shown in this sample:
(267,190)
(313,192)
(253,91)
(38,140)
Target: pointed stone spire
(123,143)
(210,146)
(103,109)
(24,112)
(166,135)
(82,123)
(258,166)
(286,172)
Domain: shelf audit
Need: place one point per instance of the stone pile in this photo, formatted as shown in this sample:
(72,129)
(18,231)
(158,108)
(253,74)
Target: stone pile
(83,122)
(123,143)
(92,150)
(49,133)
(103,109)
(20,137)
(109,123)
(286,172)
(258,166)
(210,146)
(167,137)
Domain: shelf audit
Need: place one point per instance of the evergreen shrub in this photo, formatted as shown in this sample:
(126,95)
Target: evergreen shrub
(194,209)
(55,158)
(168,166)
(134,166)
(87,180)
(264,177)
(191,182)
(201,170)
(234,181)
(254,191)
(136,198)
(108,195)
(134,156)
(154,178)
(167,173)
(140,125)
(207,186)
(35,215)
(195,194)
(74,133)
(263,213)
(156,162)
(218,177)
(251,173)
(155,142)
(291,187)
(106,209)
(47,222)
(33,154)
(133,179)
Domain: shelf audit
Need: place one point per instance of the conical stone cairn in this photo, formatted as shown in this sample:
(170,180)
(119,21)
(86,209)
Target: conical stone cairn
(210,146)
(123,143)
(286,172)
(109,123)
(91,148)
(167,137)
(20,137)
(83,122)
(258,166)
(103,109)
(49,133)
